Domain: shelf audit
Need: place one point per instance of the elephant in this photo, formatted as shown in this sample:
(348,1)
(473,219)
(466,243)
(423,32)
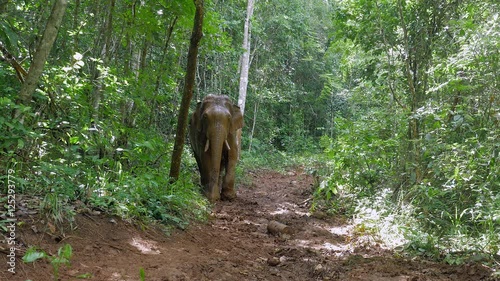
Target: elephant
(213,134)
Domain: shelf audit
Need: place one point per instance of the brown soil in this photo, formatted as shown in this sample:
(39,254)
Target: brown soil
(233,245)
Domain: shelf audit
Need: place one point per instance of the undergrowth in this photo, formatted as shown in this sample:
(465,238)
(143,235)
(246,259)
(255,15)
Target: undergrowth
(451,215)
(114,160)
(132,183)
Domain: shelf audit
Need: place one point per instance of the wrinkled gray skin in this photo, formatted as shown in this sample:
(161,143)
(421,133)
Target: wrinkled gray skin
(212,132)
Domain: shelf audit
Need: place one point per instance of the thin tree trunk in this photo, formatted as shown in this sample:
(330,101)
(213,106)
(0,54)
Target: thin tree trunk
(182,119)
(42,52)
(413,123)
(162,69)
(105,55)
(245,58)
(255,110)
(76,37)
(245,65)
(143,57)
(108,31)
(128,40)
(391,79)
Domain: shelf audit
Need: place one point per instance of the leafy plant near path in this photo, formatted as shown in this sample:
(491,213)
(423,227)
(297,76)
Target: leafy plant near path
(142,274)
(419,151)
(109,166)
(452,215)
(63,257)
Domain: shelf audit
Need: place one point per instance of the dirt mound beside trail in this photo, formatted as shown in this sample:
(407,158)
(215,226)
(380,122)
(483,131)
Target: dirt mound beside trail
(234,245)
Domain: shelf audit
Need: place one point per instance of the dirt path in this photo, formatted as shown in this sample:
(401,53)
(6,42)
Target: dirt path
(235,245)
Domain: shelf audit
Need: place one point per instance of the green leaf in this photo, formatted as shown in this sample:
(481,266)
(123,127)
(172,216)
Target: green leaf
(84,276)
(20,144)
(65,252)
(32,255)
(74,140)
(142,274)
(58,261)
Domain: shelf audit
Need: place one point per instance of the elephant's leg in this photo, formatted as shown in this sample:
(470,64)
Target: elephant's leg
(212,190)
(228,191)
(206,175)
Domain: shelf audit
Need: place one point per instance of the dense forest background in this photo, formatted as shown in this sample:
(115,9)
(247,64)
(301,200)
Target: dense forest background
(393,105)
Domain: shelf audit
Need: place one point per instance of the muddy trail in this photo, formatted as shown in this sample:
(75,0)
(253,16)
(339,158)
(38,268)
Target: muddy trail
(234,244)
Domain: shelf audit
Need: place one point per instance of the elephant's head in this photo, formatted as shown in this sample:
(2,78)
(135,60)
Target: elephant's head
(213,138)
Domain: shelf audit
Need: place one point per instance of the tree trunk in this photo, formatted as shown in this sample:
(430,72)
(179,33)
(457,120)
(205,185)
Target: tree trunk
(170,30)
(108,31)
(182,119)
(418,41)
(245,65)
(128,39)
(255,110)
(414,101)
(245,58)
(42,52)
(76,25)
(97,92)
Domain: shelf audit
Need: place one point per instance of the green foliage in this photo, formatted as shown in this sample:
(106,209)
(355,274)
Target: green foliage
(266,157)
(257,159)
(438,188)
(154,198)
(15,131)
(362,155)
(56,208)
(142,274)
(63,257)
(110,165)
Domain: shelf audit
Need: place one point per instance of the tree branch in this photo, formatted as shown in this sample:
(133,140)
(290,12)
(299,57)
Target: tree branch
(10,59)
(43,50)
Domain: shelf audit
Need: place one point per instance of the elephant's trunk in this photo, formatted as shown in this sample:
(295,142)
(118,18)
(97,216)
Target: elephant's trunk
(215,146)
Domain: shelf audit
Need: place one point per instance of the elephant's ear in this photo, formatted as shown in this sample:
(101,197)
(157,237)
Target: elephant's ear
(237,118)
(197,117)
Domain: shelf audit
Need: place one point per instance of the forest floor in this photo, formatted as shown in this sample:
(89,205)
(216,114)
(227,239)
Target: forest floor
(233,245)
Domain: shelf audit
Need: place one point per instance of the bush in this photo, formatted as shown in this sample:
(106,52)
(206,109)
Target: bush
(107,157)
(453,212)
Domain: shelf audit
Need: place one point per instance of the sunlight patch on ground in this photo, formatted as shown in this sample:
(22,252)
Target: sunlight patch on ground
(339,250)
(280,211)
(286,208)
(144,246)
(387,228)
(247,222)
(116,276)
(340,230)
(335,248)
(119,277)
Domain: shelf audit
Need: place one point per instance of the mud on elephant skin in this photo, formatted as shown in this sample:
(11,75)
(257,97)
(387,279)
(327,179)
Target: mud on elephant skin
(212,132)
